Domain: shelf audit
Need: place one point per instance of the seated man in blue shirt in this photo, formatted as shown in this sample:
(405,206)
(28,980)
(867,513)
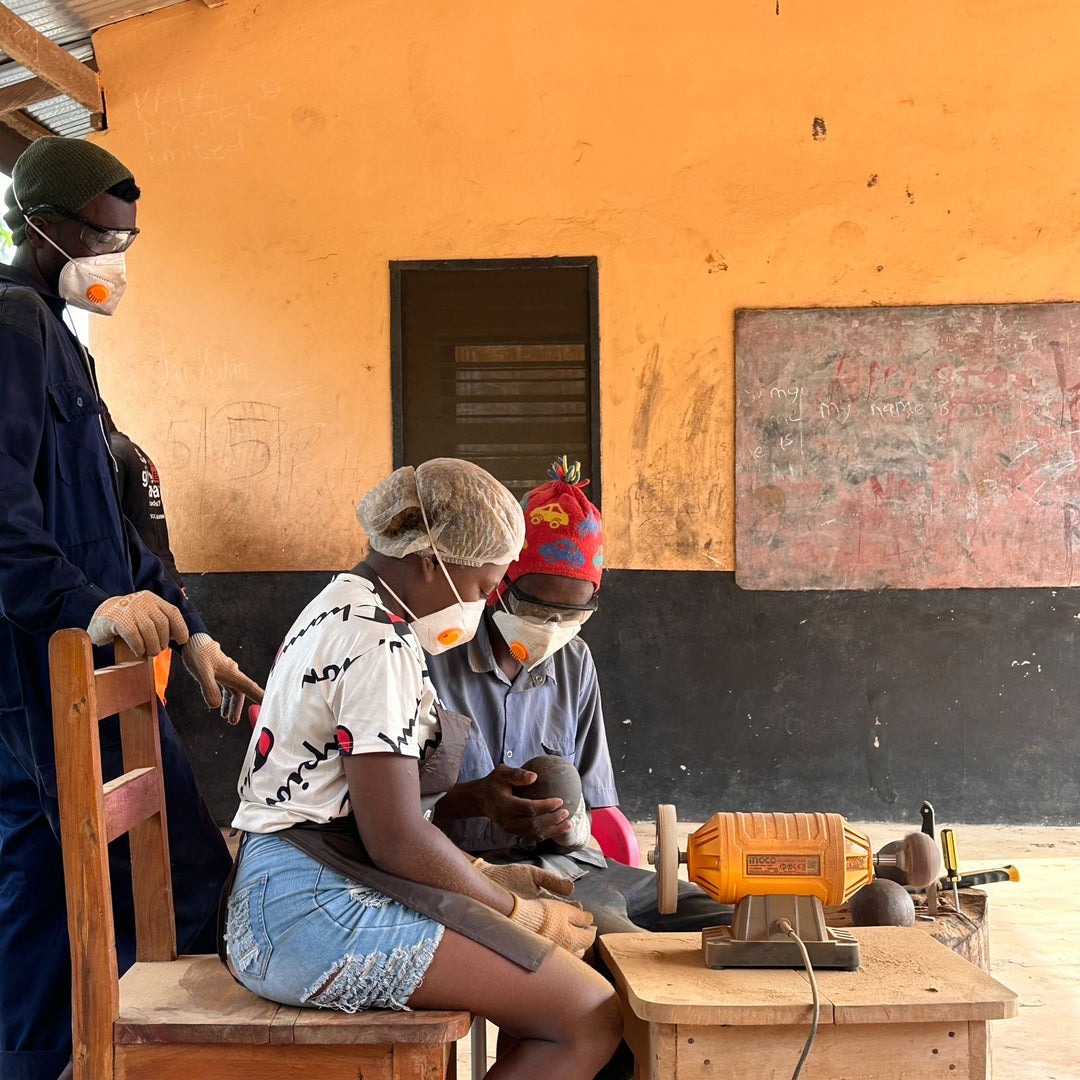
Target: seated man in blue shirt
(529,684)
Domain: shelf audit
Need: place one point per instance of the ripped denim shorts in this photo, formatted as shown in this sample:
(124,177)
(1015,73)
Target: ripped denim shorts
(302,934)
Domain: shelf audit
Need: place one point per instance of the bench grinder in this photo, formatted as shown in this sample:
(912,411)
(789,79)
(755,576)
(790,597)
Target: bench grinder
(780,868)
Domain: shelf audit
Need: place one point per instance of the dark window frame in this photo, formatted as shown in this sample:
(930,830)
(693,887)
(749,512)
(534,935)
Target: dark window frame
(590,263)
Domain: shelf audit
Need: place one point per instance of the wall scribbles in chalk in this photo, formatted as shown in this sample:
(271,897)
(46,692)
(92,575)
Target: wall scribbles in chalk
(245,447)
(915,447)
(691,404)
(193,122)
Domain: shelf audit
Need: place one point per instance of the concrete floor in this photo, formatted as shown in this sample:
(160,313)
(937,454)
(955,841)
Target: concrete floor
(1034,942)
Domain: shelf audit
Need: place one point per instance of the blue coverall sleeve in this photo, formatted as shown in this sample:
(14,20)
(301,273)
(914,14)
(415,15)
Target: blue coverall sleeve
(149,573)
(40,590)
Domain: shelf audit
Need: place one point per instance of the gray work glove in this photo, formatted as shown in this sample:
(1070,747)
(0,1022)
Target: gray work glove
(142,620)
(224,686)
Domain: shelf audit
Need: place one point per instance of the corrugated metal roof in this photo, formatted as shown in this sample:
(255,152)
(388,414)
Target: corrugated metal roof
(70,25)
(73,21)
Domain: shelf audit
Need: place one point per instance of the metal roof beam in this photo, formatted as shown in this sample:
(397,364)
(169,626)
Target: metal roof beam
(49,62)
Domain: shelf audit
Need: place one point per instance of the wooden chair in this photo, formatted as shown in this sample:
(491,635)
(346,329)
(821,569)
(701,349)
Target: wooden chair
(171,1016)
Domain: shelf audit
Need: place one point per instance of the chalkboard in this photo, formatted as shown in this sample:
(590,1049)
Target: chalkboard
(908,447)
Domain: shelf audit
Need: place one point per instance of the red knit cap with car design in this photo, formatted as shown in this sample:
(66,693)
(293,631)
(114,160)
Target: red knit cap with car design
(564,535)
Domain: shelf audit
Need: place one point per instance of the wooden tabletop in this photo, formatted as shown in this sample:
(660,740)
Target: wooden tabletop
(906,977)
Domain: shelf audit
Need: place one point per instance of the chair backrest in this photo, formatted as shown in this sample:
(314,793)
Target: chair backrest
(92,813)
(615,835)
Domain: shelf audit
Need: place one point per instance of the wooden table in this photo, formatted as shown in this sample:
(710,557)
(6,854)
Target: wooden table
(968,935)
(913,1010)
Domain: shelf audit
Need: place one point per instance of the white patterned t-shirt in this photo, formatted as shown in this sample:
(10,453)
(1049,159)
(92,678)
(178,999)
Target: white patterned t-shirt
(350,678)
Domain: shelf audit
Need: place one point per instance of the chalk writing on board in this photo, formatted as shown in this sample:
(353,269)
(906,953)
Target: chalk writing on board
(908,447)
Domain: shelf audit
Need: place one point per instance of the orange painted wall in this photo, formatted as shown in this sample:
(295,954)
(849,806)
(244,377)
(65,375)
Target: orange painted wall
(289,148)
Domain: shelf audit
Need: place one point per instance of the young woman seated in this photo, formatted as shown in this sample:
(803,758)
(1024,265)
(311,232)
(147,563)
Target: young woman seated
(346,896)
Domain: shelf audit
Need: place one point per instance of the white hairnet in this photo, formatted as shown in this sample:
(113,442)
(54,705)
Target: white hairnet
(473,519)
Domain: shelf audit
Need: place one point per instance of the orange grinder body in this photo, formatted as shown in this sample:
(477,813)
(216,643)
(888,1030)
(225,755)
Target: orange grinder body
(735,855)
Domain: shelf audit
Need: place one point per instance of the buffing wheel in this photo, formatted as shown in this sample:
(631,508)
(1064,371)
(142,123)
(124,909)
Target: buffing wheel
(920,860)
(666,859)
(882,903)
(914,861)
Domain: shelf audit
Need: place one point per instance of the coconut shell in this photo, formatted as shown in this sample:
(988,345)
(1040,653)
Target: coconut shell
(882,903)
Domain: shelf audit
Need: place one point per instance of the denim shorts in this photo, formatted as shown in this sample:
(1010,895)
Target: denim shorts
(302,934)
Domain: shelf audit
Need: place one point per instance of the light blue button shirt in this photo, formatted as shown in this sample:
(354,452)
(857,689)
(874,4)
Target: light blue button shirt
(553,709)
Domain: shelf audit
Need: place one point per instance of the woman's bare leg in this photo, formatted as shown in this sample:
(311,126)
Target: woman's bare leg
(564,1015)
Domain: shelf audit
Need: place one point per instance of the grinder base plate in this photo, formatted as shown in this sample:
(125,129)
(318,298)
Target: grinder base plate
(721,950)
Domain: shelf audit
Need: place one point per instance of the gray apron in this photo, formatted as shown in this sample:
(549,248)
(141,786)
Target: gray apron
(337,845)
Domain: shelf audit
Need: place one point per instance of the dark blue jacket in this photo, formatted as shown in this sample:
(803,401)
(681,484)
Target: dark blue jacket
(64,545)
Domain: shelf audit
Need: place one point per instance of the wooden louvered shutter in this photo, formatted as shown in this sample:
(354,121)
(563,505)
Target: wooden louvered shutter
(496,363)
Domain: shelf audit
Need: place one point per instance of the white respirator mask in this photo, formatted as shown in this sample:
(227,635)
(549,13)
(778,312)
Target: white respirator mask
(94,282)
(449,626)
(531,640)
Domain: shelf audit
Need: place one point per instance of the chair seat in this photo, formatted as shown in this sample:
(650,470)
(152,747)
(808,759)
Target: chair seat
(195,1000)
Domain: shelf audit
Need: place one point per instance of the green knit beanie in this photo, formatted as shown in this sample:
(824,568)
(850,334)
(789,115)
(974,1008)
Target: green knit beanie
(65,173)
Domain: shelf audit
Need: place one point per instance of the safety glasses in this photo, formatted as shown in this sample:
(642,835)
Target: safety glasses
(97,238)
(530,607)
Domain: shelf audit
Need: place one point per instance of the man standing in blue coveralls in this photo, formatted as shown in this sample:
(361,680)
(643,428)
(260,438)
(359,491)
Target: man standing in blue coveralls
(69,558)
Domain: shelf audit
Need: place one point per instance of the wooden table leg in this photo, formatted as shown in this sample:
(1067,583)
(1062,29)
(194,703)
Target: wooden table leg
(979,1041)
(653,1046)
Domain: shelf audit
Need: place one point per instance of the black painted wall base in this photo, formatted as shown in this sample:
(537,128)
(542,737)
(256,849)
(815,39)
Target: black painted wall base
(721,699)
